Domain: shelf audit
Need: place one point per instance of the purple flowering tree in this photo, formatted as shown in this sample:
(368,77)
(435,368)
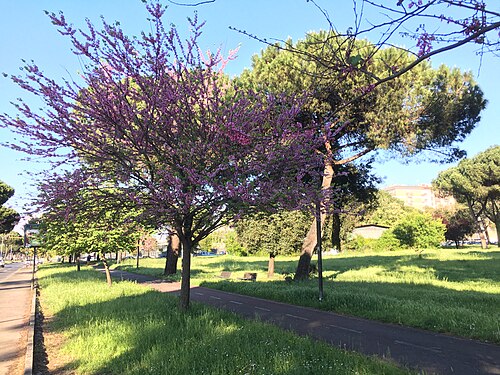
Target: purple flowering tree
(153,124)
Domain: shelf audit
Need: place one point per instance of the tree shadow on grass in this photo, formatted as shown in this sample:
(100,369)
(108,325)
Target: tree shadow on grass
(463,313)
(146,334)
(481,266)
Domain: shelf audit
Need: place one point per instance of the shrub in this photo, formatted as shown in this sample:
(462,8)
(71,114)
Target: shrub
(360,244)
(233,247)
(387,241)
(420,231)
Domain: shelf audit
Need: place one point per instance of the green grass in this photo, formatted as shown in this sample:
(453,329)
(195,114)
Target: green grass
(131,329)
(444,290)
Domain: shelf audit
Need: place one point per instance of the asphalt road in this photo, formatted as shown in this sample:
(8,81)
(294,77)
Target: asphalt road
(15,303)
(413,348)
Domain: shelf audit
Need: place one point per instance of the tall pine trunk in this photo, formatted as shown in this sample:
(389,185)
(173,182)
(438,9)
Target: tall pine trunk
(309,243)
(483,235)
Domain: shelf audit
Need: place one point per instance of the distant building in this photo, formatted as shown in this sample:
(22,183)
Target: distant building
(369,231)
(419,197)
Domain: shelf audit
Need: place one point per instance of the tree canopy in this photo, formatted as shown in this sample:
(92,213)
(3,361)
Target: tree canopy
(154,124)
(432,26)
(8,216)
(281,233)
(424,112)
(459,223)
(427,109)
(475,182)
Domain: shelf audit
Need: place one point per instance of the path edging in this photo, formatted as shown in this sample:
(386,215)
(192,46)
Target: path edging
(30,345)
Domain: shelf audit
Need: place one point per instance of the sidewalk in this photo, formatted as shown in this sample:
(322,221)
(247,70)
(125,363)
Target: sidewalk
(414,348)
(15,303)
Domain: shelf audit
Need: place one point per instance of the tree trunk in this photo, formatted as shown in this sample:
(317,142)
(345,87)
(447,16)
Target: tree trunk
(108,274)
(78,262)
(270,265)
(336,231)
(309,243)
(497,227)
(482,233)
(186,272)
(138,253)
(173,251)
(487,235)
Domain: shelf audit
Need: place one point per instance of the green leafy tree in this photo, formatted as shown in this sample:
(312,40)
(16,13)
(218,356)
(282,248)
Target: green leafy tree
(387,242)
(8,216)
(475,182)
(387,210)
(423,110)
(281,233)
(419,231)
(101,231)
(233,245)
(11,241)
(355,193)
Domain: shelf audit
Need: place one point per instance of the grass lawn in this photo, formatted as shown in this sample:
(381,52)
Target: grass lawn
(444,290)
(131,329)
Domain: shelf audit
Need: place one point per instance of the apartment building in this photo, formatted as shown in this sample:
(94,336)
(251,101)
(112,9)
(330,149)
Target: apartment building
(420,196)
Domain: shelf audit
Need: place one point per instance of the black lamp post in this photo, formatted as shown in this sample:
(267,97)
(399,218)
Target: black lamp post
(318,249)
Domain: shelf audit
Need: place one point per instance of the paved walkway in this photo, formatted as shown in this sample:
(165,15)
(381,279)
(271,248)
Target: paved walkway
(424,350)
(15,303)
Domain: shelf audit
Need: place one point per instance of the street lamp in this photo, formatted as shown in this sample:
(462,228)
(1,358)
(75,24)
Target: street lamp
(318,249)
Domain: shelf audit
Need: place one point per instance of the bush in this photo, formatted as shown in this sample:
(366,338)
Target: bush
(419,231)
(387,241)
(360,244)
(356,244)
(233,247)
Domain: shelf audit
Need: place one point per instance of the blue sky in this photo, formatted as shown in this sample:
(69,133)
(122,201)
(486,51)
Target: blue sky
(28,34)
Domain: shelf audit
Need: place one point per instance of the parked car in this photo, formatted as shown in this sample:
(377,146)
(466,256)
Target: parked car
(203,253)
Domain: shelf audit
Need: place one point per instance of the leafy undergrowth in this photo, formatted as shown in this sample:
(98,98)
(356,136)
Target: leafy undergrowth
(444,290)
(130,329)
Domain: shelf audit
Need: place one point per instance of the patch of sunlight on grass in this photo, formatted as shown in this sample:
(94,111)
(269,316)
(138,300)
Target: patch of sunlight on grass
(129,329)
(365,274)
(446,290)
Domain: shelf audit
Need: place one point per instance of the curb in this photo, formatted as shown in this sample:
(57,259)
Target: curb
(30,345)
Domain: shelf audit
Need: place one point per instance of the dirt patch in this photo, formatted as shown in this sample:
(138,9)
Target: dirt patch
(48,358)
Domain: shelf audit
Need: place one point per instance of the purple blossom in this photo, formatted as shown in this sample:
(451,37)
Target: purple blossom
(156,123)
